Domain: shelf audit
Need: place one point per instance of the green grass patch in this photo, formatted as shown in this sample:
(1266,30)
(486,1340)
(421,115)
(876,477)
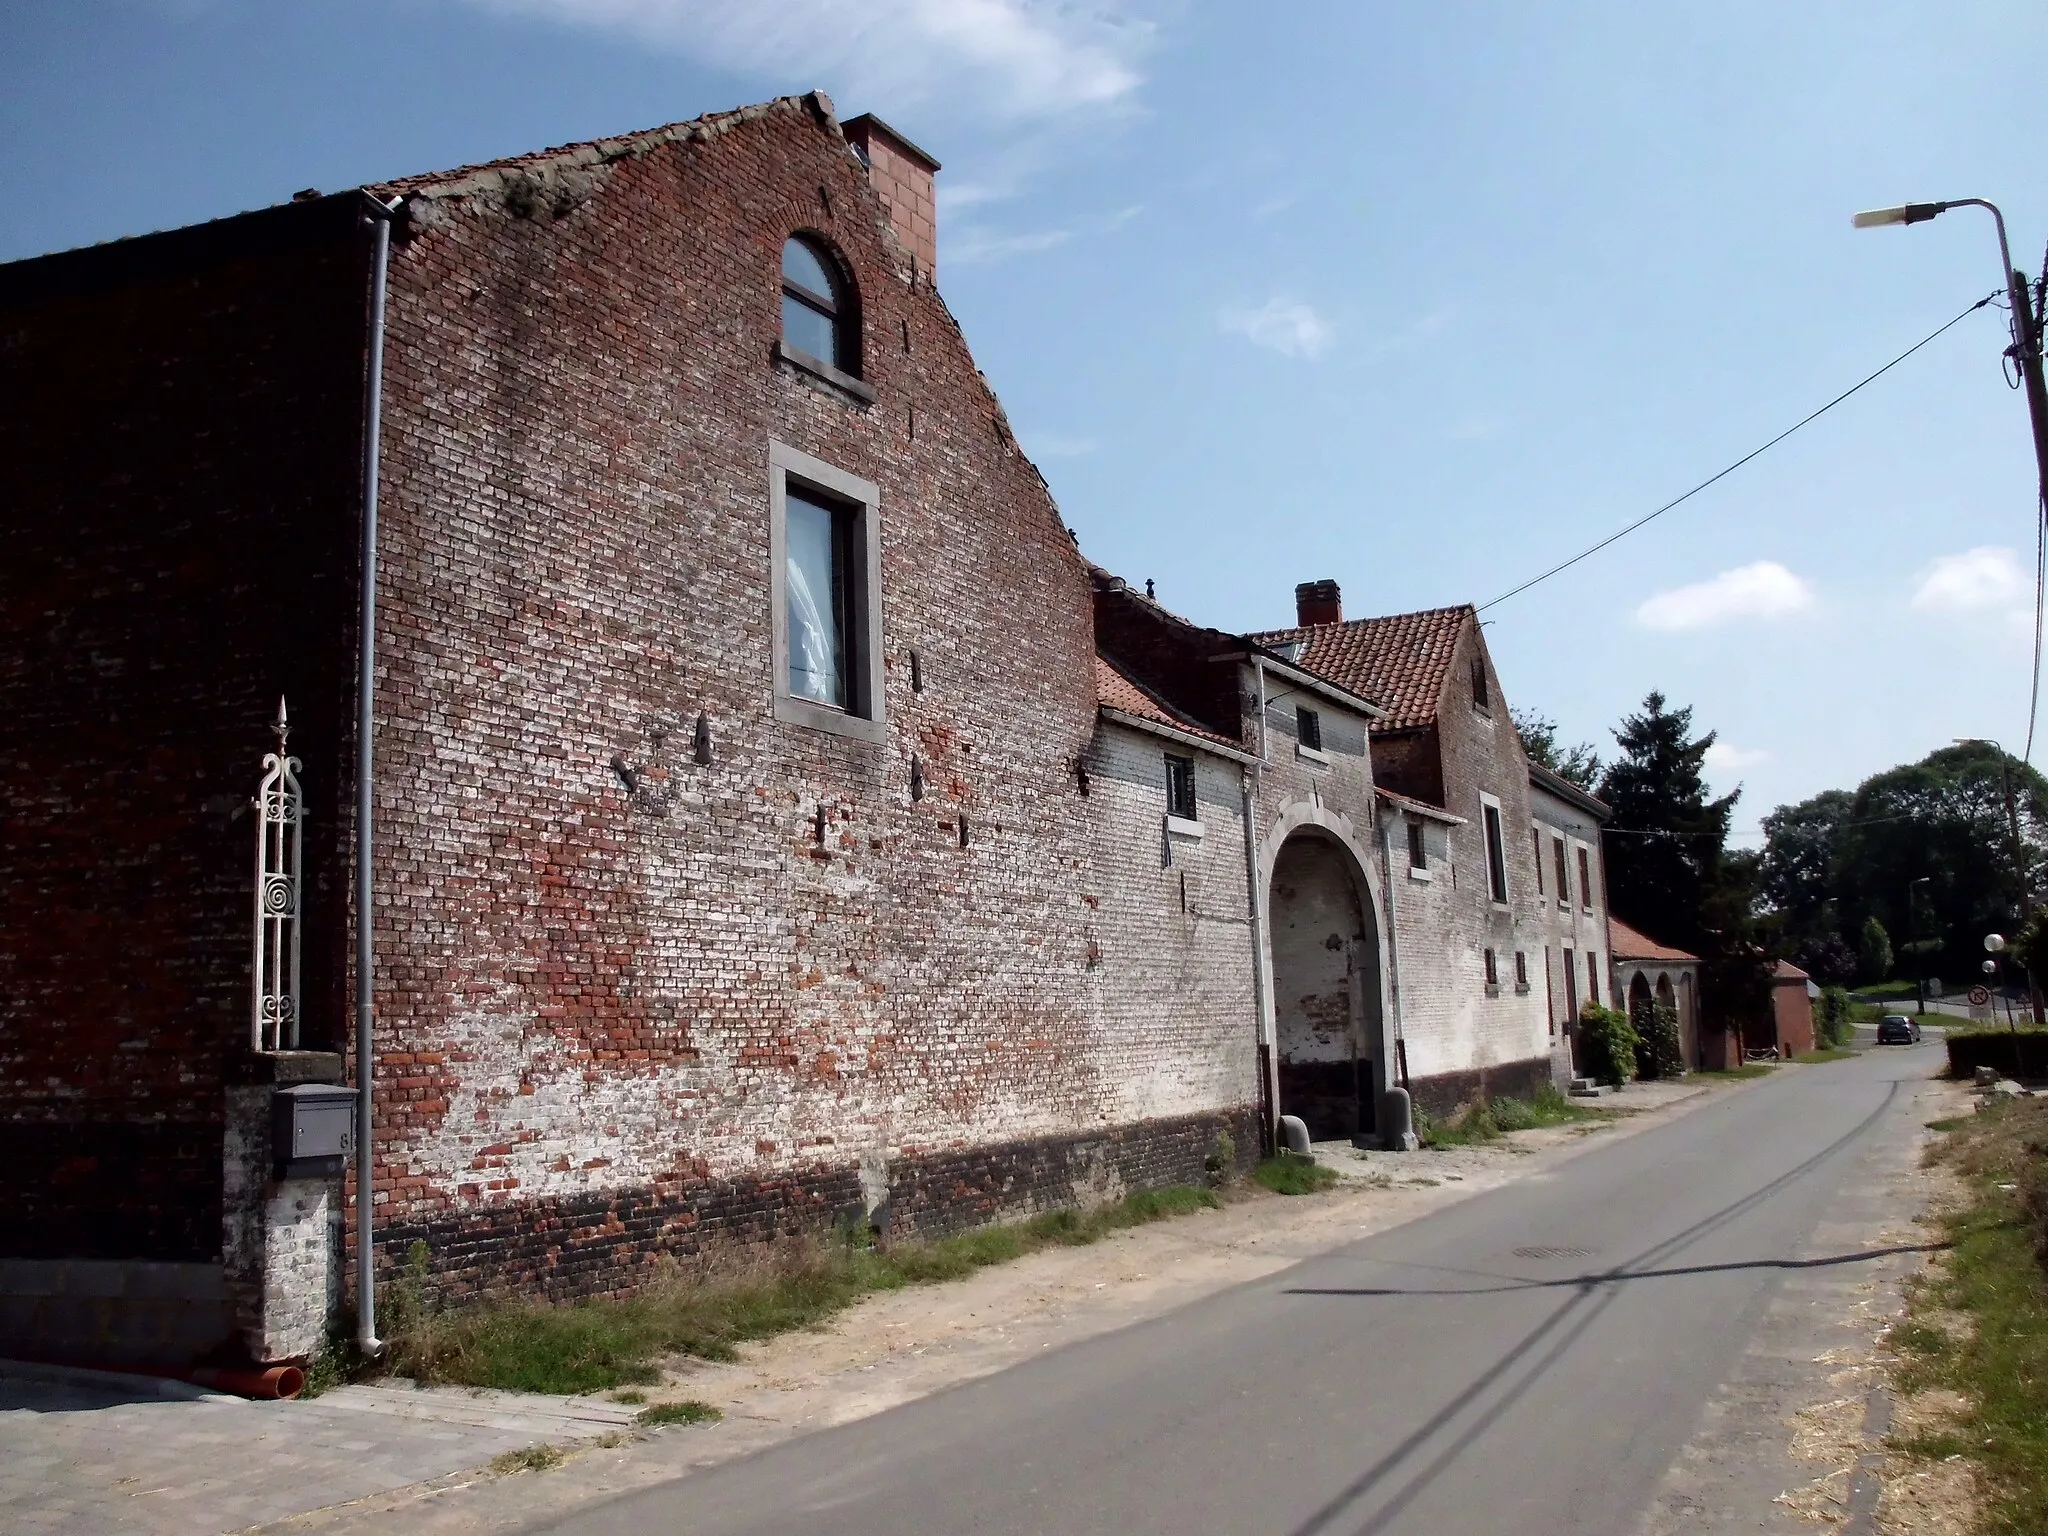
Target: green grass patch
(535,1458)
(690,1411)
(1292,1174)
(1994,1275)
(1483,1120)
(1885,991)
(594,1346)
(1739,1074)
(1827,1053)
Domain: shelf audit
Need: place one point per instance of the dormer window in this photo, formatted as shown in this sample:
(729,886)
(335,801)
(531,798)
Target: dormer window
(817,317)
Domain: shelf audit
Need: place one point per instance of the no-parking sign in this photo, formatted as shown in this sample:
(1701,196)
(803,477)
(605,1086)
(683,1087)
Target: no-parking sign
(1979,996)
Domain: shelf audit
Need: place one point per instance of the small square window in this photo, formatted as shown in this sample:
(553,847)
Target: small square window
(1308,728)
(1180,787)
(1418,848)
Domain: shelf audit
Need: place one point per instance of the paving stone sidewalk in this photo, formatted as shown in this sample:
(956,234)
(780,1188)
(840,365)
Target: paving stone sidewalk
(88,1452)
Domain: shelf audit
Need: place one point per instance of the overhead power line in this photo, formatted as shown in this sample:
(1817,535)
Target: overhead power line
(1755,453)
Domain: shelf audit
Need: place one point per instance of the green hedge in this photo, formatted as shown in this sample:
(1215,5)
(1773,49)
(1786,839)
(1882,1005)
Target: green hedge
(2013,1054)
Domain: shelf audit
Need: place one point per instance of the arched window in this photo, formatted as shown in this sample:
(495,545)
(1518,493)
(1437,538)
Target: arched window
(817,315)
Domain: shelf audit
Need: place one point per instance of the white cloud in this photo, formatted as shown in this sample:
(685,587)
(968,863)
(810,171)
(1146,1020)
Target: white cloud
(1989,576)
(1289,328)
(1006,58)
(972,247)
(1724,759)
(1765,590)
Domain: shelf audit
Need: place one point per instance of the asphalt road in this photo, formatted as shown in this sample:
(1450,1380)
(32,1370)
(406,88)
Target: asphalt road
(1531,1360)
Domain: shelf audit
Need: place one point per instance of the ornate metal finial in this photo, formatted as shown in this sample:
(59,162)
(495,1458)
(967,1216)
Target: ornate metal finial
(280,822)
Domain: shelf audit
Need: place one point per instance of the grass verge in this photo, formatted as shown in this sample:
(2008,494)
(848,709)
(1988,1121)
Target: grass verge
(689,1411)
(1826,1053)
(1994,1276)
(1485,1120)
(535,1458)
(591,1346)
(1739,1074)
(1292,1174)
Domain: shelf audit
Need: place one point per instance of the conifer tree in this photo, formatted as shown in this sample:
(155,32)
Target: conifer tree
(1666,840)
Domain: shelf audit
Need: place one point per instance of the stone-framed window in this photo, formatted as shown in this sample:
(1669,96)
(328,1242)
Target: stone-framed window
(1492,974)
(1585,878)
(1564,879)
(1521,971)
(1308,727)
(1482,691)
(1496,850)
(1593,976)
(817,307)
(1536,844)
(825,581)
(1180,787)
(1418,845)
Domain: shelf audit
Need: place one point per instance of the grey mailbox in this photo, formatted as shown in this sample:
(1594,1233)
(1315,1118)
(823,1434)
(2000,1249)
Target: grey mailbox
(313,1129)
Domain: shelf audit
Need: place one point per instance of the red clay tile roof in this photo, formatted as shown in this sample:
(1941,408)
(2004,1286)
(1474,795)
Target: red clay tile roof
(1115,691)
(1624,943)
(1398,661)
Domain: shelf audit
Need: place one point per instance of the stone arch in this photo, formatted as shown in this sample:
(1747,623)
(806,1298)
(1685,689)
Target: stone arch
(1326,958)
(1638,995)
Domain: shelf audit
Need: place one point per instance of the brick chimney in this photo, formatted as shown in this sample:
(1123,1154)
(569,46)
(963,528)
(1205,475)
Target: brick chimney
(901,175)
(1318,602)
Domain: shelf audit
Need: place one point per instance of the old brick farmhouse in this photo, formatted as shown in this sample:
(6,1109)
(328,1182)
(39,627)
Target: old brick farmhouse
(773,819)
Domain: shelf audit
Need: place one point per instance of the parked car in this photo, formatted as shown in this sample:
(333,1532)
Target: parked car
(1898,1029)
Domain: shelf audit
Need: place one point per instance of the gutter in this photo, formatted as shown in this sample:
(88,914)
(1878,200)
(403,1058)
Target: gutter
(1268,1064)
(378,215)
(1175,735)
(1389,818)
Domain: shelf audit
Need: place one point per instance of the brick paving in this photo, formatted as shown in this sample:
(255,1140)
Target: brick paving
(88,1452)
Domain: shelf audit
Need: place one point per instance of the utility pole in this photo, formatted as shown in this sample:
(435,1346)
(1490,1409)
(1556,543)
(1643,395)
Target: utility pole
(1913,944)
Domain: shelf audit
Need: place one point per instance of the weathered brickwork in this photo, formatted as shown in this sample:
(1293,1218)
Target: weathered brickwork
(592,990)
(181,424)
(1570,913)
(1454,1022)
(1170,950)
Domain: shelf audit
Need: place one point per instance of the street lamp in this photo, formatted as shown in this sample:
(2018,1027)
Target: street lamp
(1913,942)
(2026,326)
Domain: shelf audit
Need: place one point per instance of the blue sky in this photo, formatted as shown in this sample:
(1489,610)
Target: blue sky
(1421,297)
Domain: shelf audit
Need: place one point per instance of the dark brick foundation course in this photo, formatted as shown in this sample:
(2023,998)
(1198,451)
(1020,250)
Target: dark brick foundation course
(572,1247)
(1441,1095)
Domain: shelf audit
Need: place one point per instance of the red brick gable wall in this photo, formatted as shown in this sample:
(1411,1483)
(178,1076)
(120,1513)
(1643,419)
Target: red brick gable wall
(584,988)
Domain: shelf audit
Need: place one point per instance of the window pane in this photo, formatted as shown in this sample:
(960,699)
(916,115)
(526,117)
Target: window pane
(816,590)
(1496,856)
(800,264)
(809,331)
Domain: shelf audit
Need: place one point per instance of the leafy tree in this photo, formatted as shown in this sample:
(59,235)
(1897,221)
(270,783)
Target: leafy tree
(1827,959)
(1833,1017)
(1659,1052)
(1579,764)
(1943,818)
(1874,950)
(1609,1043)
(1666,839)
(1800,874)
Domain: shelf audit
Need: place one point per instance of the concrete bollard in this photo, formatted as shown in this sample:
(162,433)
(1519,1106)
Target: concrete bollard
(1294,1134)
(1397,1115)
